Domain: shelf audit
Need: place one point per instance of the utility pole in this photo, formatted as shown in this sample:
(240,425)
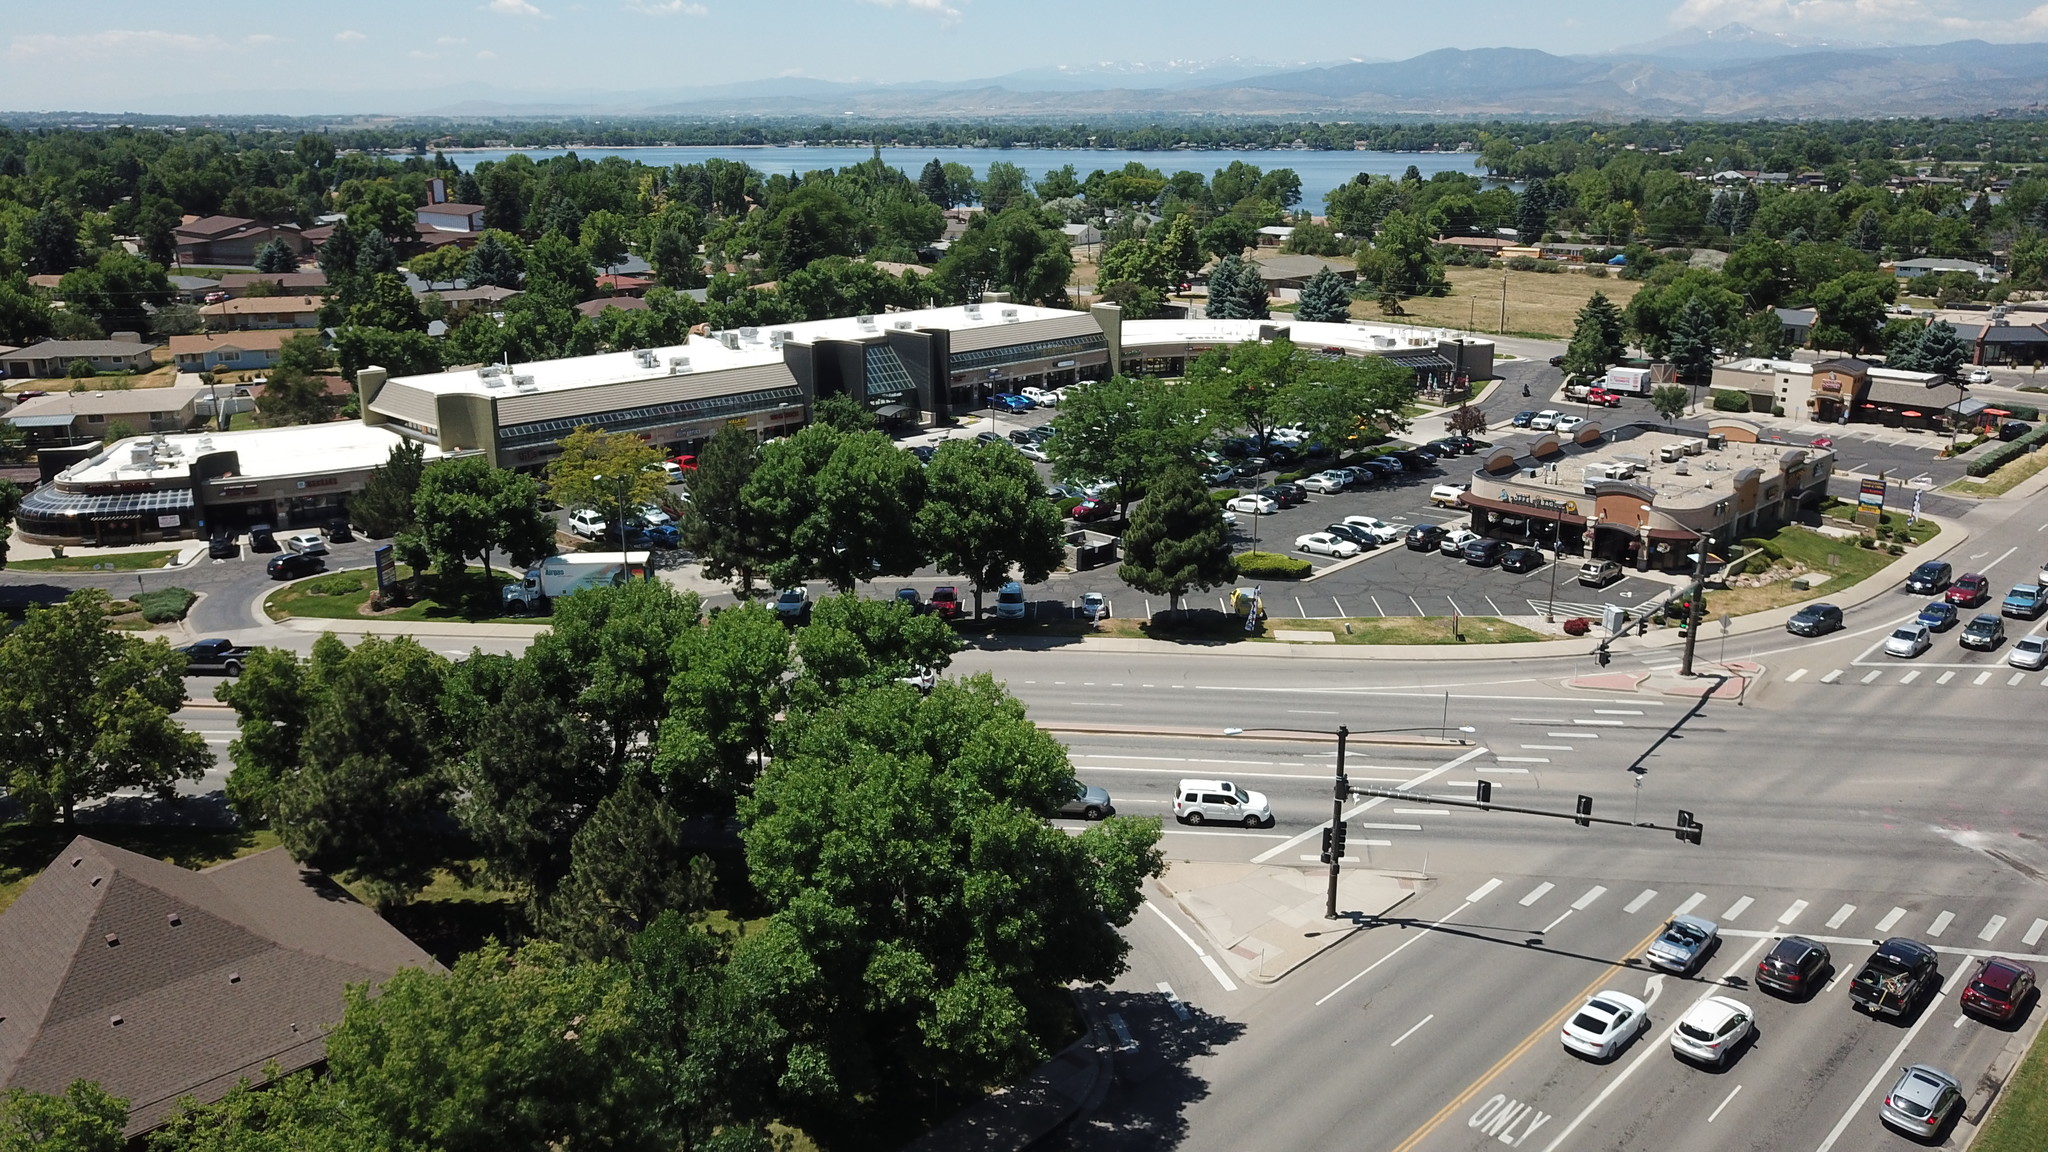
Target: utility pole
(1339,795)
(1503,302)
(1692,611)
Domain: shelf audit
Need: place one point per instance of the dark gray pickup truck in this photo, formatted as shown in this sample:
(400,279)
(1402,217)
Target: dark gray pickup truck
(214,657)
(1897,975)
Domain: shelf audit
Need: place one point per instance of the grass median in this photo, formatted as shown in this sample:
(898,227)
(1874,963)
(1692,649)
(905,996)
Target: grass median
(1842,561)
(108,562)
(2001,481)
(2021,1116)
(471,597)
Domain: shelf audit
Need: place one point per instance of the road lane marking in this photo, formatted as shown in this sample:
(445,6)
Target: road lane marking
(1890,918)
(1909,677)
(1573,735)
(1308,712)
(1872,675)
(1541,1032)
(2014,679)
(1546,747)
(1369,804)
(1215,969)
(1797,675)
(1831,677)
(1538,720)
(1522,759)
(1887,1069)
(1486,889)
(1173,1001)
(1429,811)
(1941,923)
(1793,912)
(1944,678)
(1981,678)
(1691,902)
(1412,1031)
(1238,835)
(1605,723)
(1387,827)
(1636,905)
(1716,1113)
(1554,923)
(2034,931)
(1841,915)
(1586,901)
(1459,910)
(1737,908)
(1991,928)
(1541,891)
(1617,712)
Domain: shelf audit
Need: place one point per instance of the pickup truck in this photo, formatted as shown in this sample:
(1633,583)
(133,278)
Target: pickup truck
(214,657)
(1896,976)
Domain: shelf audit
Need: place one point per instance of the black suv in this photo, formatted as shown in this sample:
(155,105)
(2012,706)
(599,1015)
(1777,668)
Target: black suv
(1797,967)
(1426,537)
(222,546)
(1931,577)
(1815,620)
(1485,552)
(292,565)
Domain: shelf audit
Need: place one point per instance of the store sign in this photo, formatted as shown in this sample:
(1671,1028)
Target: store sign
(1870,497)
(1568,507)
(320,482)
(1830,386)
(167,521)
(387,569)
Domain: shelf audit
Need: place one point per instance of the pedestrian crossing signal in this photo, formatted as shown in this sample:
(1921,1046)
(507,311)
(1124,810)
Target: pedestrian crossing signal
(1585,809)
(1688,828)
(1486,791)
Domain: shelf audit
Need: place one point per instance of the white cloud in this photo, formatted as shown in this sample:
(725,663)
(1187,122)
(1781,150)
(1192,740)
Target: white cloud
(667,8)
(2035,21)
(513,8)
(939,8)
(1855,19)
(349,36)
(487,54)
(261,38)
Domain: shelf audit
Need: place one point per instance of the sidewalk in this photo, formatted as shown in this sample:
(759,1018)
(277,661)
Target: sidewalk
(187,550)
(1266,920)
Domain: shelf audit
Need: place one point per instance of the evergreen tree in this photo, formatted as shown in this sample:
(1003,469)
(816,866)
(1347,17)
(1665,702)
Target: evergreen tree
(1326,297)
(719,528)
(496,260)
(1176,541)
(1236,291)
(933,183)
(277,256)
(338,255)
(1596,343)
(376,256)
(1866,231)
(1691,342)
(1902,346)
(1942,349)
(1532,216)
(384,507)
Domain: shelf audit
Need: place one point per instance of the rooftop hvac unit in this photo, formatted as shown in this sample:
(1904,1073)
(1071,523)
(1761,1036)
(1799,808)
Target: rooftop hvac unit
(775,338)
(522,382)
(1010,315)
(730,340)
(491,371)
(865,321)
(679,364)
(646,358)
(974,311)
(750,334)
(139,452)
(494,381)
(203,444)
(528,389)
(902,325)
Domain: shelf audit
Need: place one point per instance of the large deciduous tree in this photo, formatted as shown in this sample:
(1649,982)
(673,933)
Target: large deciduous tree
(1177,541)
(1402,259)
(719,525)
(835,505)
(88,710)
(613,472)
(469,507)
(1124,429)
(82,1118)
(1021,251)
(985,513)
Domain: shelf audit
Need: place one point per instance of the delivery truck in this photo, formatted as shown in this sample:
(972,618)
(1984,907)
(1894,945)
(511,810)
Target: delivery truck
(1628,381)
(560,575)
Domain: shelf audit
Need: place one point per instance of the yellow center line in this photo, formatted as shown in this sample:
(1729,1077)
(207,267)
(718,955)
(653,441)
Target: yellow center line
(1542,1030)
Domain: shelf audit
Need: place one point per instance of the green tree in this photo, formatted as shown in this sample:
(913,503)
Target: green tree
(277,256)
(1228,235)
(985,513)
(853,643)
(809,224)
(1059,183)
(836,505)
(1402,259)
(1177,541)
(1596,343)
(630,863)
(50,241)
(409,353)
(673,239)
(303,1112)
(1021,251)
(376,256)
(605,238)
(498,260)
(377,207)
(1941,348)
(1333,400)
(83,1118)
(384,302)
(1326,298)
(443,265)
(10,503)
(724,703)
(114,290)
(923,941)
(24,314)
(1850,310)
(558,272)
(384,507)
(90,710)
(1236,291)
(1669,400)
(719,526)
(468,507)
(613,472)
(1690,345)
(1655,309)
(932,182)
(337,257)
(272,700)
(1126,430)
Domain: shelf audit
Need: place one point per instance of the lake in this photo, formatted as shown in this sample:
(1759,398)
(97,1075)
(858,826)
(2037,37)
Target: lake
(1319,171)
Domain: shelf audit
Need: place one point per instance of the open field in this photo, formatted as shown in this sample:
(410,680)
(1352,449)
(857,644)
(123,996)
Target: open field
(1542,304)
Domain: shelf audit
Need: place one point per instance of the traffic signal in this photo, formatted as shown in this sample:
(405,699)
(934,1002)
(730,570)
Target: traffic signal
(1585,809)
(1486,791)
(1688,828)
(1600,656)
(1326,845)
(1337,841)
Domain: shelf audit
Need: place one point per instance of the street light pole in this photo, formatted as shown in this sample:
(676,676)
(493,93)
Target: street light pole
(1339,794)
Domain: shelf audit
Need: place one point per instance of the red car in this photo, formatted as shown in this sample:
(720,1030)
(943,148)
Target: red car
(1999,989)
(1604,398)
(686,462)
(1088,510)
(945,602)
(1969,590)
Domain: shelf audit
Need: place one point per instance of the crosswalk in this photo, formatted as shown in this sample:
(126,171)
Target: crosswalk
(2016,932)
(1936,676)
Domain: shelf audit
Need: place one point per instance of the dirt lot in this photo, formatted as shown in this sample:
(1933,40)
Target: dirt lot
(1541,304)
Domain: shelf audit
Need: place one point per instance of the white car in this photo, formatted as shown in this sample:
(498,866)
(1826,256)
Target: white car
(1324,482)
(306,544)
(1605,1025)
(2029,652)
(1094,606)
(1909,641)
(1032,452)
(1447,495)
(1979,376)
(1454,543)
(673,472)
(588,523)
(652,516)
(1569,423)
(1378,529)
(1545,420)
(1327,544)
(1253,503)
(1712,1030)
(1042,397)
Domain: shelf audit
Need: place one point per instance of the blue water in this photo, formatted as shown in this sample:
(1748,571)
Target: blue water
(1319,171)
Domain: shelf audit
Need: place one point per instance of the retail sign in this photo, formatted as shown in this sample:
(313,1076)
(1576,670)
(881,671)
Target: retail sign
(167,521)
(1568,507)
(1870,497)
(387,569)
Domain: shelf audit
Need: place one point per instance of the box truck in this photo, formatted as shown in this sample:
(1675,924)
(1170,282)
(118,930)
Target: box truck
(1628,381)
(561,575)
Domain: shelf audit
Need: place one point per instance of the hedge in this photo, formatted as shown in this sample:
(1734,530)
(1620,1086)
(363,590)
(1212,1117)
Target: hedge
(2008,452)
(165,604)
(1272,566)
(2023,412)
(1729,400)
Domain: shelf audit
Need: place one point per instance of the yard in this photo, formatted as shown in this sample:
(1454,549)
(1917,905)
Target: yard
(1845,562)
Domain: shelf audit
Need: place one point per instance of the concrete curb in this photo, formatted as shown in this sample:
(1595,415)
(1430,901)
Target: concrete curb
(2002,1068)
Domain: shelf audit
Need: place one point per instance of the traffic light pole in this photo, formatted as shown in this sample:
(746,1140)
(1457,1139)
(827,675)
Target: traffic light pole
(1339,795)
(1692,609)
(1687,828)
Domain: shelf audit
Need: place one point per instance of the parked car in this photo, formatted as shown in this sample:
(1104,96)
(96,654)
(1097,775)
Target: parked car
(1978,376)
(338,531)
(1713,1029)
(1220,475)
(684,461)
(1603,397)
(1447,495)
(1091,510)
(1485,552)
(2029,652)
(1464,444)
(1010,603)
(1683,945)
(1929,578)
(945,602)
(1908,641)
(2024,601)
(1286,495)
(1253,504)
(1605,1024)
(1088,801)
(1010,402)
(1521,560)
(989,438)
(1359,536)
(222,546)
(306,543)
(1545,420)
(1426,537)
(1032,451)
(1326,483)
(1094,606)
(1985,631)
(2013,430)
(1999,990)
(1795,966)
(292,565)
(1569,423)
(1815,620)
(1380,530)
(1921,1101)
(1523,419)
(1454,541)
(671,473)
(666,537)
(652,515)
(793,605)
(1969,590)
(1599,573)
(1326,544)
(1939,616)
(912,599)
(261,539)
(588,523)
(1041,397)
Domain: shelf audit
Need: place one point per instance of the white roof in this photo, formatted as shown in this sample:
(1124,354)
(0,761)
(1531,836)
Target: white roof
(954,319)
(264,453)
(1364,338)
(1760,364)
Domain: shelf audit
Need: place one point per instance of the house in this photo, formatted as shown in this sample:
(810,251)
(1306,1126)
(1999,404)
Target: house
(160,982)
(620,284)
(282,283)
(258,312)
(229,351)
(58,419)
(1797,323)
(1273,236)
(231,239)
(451,217)
(1926,265)
(487,298)
(1294,271)
(193,289)
(1491,245)
(590,309)
(1081,235)
(55,357)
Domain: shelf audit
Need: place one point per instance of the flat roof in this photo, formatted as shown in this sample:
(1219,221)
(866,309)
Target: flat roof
(1313,333)
(1707,477)
(265,453)
(705,355)
(952,319)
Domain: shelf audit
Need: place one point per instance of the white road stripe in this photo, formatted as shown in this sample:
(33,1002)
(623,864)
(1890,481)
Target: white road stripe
(1729,1099)
(1455,913)
(1547,747)
(1412,1031)
(1691,902)
(1831,677)
(1522,759)
(1576,735)
(1222,977)
(1605,723)
(1592,894)
(1872,675)
(2014,679)
(1636,905)
(1841,915)
(1386,827)
(1541,891)
(1981,678)
(2034,931)
(1944,678)
(1890,918)
(1991,928)
(1554,923)
(1909,677)
(1797,675)
(1941,923)
(1619,711)
(1737,908)
(1486,889)
(1793,912)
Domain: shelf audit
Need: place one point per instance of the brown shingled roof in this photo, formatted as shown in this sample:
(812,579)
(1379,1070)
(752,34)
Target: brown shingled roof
(159,982)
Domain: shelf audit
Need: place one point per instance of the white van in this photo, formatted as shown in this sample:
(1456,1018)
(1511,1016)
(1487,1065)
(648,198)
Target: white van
(1199,801)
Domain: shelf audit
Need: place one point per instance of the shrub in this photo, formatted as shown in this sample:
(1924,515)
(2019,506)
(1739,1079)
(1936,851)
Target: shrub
(1068,505)
(165,604)
(2023,412)
(1729,400)
(2006,453)
(1272,566)
(1578,626)
(338,584)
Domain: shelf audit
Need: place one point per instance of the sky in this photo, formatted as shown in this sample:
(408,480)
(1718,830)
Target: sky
(234,55)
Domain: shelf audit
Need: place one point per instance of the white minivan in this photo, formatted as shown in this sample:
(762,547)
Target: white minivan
(1200,801)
